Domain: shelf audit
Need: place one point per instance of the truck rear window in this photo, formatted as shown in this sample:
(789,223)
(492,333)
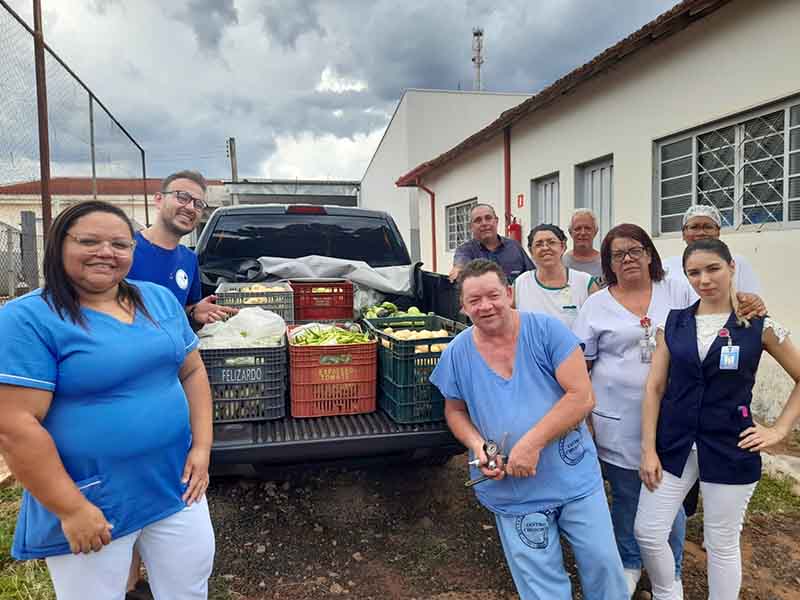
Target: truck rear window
(238,237)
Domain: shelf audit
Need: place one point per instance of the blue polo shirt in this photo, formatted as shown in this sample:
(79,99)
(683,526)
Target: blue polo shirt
(176,269)
(568,467)
(510,255)
(119,416)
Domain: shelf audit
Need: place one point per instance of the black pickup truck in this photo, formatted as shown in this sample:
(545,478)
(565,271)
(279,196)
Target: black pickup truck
(227,248)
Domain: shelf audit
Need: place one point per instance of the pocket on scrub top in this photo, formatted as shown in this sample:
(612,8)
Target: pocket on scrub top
(43,528)
(607,428)
(173,328)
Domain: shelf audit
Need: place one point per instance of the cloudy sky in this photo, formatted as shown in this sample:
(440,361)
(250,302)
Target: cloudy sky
(306,87)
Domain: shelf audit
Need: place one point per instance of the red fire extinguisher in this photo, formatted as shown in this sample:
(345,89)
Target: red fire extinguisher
(515,230)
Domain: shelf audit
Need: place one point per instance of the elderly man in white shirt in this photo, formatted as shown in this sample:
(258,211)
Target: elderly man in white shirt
(700,222)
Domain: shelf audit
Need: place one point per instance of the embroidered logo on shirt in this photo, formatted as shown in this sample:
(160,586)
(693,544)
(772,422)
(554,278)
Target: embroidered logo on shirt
(182,279)
(532,530)
(570,447)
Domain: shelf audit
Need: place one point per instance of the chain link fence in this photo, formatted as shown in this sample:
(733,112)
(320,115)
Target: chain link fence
(87,143)
(10,260)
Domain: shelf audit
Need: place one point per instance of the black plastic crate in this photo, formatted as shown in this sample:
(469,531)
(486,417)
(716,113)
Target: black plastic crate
(247,384)
(421,403)
(281,303)
(404,367)
(443,297)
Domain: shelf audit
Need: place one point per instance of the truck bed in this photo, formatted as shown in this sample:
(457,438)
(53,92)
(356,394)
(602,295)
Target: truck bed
(290,440)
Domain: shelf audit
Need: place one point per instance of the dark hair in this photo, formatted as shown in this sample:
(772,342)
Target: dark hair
(484,205)
(554,229)
(712,245)
(58,290)
(190,175)
(634,232)
(479,267)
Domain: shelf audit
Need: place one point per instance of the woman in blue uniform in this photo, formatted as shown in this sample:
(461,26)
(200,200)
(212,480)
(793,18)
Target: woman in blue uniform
(105,419)
(697,422)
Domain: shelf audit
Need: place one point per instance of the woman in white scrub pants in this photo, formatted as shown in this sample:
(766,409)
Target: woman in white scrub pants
(697,421)
(106,419)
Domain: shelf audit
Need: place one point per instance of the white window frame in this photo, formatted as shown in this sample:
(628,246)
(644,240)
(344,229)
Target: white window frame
(540,206)
(453,214)
(604,214)
(737,121)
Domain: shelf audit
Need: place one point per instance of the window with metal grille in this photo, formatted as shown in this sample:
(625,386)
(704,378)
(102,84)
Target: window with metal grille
(457,216)
(749,169)
(545,205)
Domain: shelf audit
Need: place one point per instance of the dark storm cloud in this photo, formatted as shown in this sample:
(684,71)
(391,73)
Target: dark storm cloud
(263,82)
(208,19)
(286,20)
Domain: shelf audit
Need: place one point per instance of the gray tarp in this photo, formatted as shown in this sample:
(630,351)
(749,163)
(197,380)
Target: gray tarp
(387,280)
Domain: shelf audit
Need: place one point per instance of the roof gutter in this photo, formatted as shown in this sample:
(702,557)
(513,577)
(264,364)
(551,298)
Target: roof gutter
(417,183)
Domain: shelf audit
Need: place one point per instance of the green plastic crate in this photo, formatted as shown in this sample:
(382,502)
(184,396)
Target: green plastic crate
(404,367)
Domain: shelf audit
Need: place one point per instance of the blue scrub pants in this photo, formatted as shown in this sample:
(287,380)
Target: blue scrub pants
(626,486)
(532,547)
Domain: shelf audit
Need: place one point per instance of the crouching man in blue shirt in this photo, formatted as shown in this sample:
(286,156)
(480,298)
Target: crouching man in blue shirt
(520,379)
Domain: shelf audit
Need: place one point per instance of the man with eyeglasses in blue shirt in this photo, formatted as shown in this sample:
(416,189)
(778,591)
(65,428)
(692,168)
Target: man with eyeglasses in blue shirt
(159,257)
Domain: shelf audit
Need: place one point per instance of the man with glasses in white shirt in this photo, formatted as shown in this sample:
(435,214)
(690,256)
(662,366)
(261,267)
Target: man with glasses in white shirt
(703,221)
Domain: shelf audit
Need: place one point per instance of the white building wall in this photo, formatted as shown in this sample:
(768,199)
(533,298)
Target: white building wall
(11,208)
(740,57)
(476,174)
(389,162)
(715,68)
(425,124)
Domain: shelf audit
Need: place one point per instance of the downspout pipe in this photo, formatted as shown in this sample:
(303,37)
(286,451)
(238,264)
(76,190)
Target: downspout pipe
(432,194)
(507,173)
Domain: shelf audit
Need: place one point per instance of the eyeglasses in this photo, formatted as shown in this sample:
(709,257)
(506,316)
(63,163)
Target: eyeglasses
(542,244)
(705,228)
(93,245)
(635,253)
(185,198)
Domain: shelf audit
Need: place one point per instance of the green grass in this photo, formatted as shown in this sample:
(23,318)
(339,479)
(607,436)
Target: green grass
(18,580)
(774,495)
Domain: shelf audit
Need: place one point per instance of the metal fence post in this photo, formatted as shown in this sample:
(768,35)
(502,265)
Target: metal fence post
(12,272)
(30,260)
(91,144)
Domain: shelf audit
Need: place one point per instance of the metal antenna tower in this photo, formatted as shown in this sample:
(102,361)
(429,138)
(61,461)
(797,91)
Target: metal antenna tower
(477,56)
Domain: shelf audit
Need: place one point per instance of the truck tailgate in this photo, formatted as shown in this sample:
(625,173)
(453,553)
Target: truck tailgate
(291,440)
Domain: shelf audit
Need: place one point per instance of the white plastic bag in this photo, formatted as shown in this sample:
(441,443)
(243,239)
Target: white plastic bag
(250,328)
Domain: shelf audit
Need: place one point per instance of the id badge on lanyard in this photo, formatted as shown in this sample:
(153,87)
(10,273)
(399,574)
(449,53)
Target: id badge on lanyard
(647,343)
(729,354)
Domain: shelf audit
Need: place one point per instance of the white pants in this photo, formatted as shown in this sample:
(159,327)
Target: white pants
(178,552)
(723,513)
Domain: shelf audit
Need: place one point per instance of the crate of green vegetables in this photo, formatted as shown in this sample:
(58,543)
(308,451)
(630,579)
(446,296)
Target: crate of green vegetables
(247,384)
(333,370)
(407,357)
(390,314)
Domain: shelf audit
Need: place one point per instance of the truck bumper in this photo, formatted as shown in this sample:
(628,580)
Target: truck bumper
(292,441)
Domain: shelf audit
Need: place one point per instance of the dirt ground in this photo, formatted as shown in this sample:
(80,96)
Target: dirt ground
(416,533)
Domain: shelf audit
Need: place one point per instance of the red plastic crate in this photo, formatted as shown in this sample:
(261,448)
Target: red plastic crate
(333,380)
(325,299)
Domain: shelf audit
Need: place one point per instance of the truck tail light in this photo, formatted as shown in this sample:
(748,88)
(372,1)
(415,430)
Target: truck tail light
(305,209)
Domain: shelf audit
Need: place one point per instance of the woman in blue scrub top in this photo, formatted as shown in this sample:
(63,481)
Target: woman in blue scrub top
(105,419)
(697,422)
